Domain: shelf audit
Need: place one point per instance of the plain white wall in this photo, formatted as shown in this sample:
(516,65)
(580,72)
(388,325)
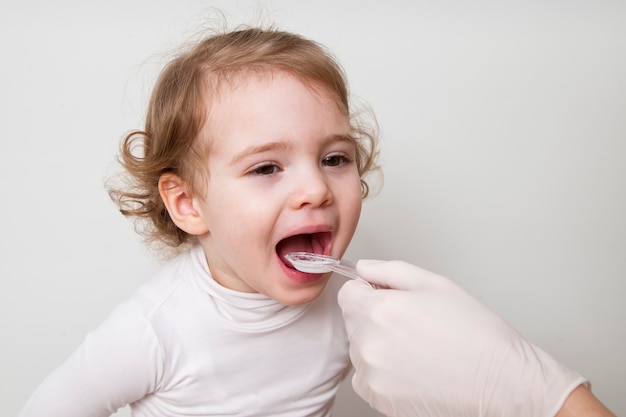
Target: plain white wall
(504,153)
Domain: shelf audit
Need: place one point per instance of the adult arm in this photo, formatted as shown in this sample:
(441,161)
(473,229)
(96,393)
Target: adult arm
(581,402)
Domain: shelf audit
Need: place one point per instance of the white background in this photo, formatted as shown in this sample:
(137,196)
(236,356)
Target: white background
(504,152)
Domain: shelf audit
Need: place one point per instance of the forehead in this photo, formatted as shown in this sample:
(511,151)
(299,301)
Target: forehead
(226,82)
(272,105)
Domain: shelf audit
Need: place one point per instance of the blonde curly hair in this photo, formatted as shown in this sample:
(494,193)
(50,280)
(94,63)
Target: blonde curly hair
(177,109)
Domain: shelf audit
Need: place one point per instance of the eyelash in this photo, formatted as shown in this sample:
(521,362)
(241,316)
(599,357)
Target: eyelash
(262,170)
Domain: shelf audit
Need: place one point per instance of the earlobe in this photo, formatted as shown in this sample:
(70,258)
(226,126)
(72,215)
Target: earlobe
(180,204)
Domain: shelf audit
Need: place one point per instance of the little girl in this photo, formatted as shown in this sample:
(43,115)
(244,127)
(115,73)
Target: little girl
(250,151)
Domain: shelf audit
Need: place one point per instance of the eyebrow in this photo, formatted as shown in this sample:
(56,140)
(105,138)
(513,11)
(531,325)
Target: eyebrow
(285,145)
(255,149)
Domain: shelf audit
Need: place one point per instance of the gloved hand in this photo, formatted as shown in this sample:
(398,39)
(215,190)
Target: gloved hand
(422,346)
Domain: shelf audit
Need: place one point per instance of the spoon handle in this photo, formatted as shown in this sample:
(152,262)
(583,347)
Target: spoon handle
(345,270)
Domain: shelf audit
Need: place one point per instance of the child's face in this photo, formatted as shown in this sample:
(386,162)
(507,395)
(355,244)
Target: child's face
(282,178)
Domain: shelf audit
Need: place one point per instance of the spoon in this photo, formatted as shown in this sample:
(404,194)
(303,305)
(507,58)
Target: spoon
(314,263)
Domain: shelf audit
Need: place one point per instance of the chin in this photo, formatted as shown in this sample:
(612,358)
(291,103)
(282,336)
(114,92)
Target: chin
(301,296)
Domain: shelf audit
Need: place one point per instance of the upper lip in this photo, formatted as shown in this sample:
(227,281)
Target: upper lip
(308,230)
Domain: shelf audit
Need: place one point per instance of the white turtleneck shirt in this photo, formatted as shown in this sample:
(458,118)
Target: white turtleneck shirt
(183,345)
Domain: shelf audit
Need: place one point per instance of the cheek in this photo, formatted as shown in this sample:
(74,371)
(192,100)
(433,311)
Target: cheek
(243,223)
(355,208)
(248,222)
(353,200)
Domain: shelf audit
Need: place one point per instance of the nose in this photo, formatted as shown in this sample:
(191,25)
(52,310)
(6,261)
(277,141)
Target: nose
(311,188)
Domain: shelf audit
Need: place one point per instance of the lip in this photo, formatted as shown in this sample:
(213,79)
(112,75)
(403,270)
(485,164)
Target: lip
(325,239)
(297,276)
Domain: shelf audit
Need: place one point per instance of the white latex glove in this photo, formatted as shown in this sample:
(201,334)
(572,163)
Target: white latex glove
(425,347)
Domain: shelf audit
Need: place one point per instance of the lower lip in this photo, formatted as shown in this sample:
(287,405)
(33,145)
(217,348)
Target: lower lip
(297,276)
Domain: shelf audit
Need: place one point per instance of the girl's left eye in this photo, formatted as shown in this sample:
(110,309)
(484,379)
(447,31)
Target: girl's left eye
(335,160)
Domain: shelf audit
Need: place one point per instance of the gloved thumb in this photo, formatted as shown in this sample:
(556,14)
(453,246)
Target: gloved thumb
(396,275)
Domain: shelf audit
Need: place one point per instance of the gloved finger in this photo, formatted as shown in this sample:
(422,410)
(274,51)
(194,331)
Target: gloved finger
(355,298)
(352,293)
(397,275)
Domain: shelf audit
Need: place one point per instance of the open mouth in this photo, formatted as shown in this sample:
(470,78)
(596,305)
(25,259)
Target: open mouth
(309,242)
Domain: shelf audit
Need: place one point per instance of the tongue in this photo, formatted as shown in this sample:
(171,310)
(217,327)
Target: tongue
(298,243)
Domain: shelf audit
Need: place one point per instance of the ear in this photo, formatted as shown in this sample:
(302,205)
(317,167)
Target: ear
(180,204)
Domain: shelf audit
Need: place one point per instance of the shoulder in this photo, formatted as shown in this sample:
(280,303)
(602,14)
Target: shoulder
(162,287)
(162,311)
(134,324)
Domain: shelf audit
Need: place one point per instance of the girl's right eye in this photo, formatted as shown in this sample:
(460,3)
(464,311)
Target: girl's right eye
(265,169)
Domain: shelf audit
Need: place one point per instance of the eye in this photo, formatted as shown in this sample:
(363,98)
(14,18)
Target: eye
(335,160)
(264,169)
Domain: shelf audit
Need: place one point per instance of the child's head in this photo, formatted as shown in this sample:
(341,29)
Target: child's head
(205,119)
